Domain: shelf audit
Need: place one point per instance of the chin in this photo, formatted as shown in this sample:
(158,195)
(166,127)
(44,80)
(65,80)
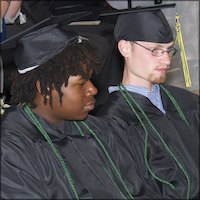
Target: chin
(162,81)
(83,117)
(159,80)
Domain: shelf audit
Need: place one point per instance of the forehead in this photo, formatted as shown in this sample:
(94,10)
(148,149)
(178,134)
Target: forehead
(75,78)
(160,45)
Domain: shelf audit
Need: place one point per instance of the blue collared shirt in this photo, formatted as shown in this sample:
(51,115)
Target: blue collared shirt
(153,95)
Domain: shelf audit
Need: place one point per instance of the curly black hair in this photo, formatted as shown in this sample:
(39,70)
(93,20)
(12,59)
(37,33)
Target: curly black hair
(54,73)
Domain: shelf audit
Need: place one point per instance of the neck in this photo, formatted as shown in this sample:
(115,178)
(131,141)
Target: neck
(130,78)
(46,113)
(137,82)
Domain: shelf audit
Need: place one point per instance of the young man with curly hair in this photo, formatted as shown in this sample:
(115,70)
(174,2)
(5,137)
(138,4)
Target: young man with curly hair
(45,152)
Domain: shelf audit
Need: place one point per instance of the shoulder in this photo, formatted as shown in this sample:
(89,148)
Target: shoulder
(96,123)
(185,98)
(16,126)
(107,127)
(10,120)
(17,148)
(18,143)
(106,121)
(180,92)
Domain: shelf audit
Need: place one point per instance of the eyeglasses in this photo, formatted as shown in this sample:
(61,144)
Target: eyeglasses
(159,52)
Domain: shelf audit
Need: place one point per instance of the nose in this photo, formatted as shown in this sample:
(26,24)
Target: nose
(166,59)
(91,89)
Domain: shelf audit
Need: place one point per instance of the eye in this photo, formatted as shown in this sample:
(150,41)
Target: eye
(157,51)
(82,82)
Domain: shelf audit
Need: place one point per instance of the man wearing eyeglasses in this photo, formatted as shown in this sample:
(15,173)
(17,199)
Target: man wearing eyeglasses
(156,124)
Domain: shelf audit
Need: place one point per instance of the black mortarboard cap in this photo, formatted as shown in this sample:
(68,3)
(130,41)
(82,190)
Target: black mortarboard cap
(39,46)
(41,42)
(142,24)
(150,26)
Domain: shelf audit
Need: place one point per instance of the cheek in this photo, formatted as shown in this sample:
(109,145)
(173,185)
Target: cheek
(74,111)
(147,60)
(140,67)
(72,100)
(140,60)
(145,64)
(72,108)
(71,95)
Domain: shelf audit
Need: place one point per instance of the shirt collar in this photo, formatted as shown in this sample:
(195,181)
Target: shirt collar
(137,89)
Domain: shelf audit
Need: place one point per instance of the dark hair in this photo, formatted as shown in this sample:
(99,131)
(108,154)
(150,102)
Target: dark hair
(54,73)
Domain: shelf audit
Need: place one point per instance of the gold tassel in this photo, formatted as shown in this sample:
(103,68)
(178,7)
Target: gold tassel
(182,53)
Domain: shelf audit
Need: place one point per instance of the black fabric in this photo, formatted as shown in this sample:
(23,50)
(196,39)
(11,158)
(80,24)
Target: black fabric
(43,9)
(181,139)
(150,26)
(110,74)
(30,169)
(39,46)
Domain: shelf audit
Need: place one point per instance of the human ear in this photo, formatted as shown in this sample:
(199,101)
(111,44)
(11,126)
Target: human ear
(38,86)
(124,48)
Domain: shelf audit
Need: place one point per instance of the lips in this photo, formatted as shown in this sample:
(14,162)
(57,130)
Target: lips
(90,105)
(164,70)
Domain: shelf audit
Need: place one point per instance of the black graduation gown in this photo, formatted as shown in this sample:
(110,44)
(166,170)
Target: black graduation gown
(182,140)
(30,169)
